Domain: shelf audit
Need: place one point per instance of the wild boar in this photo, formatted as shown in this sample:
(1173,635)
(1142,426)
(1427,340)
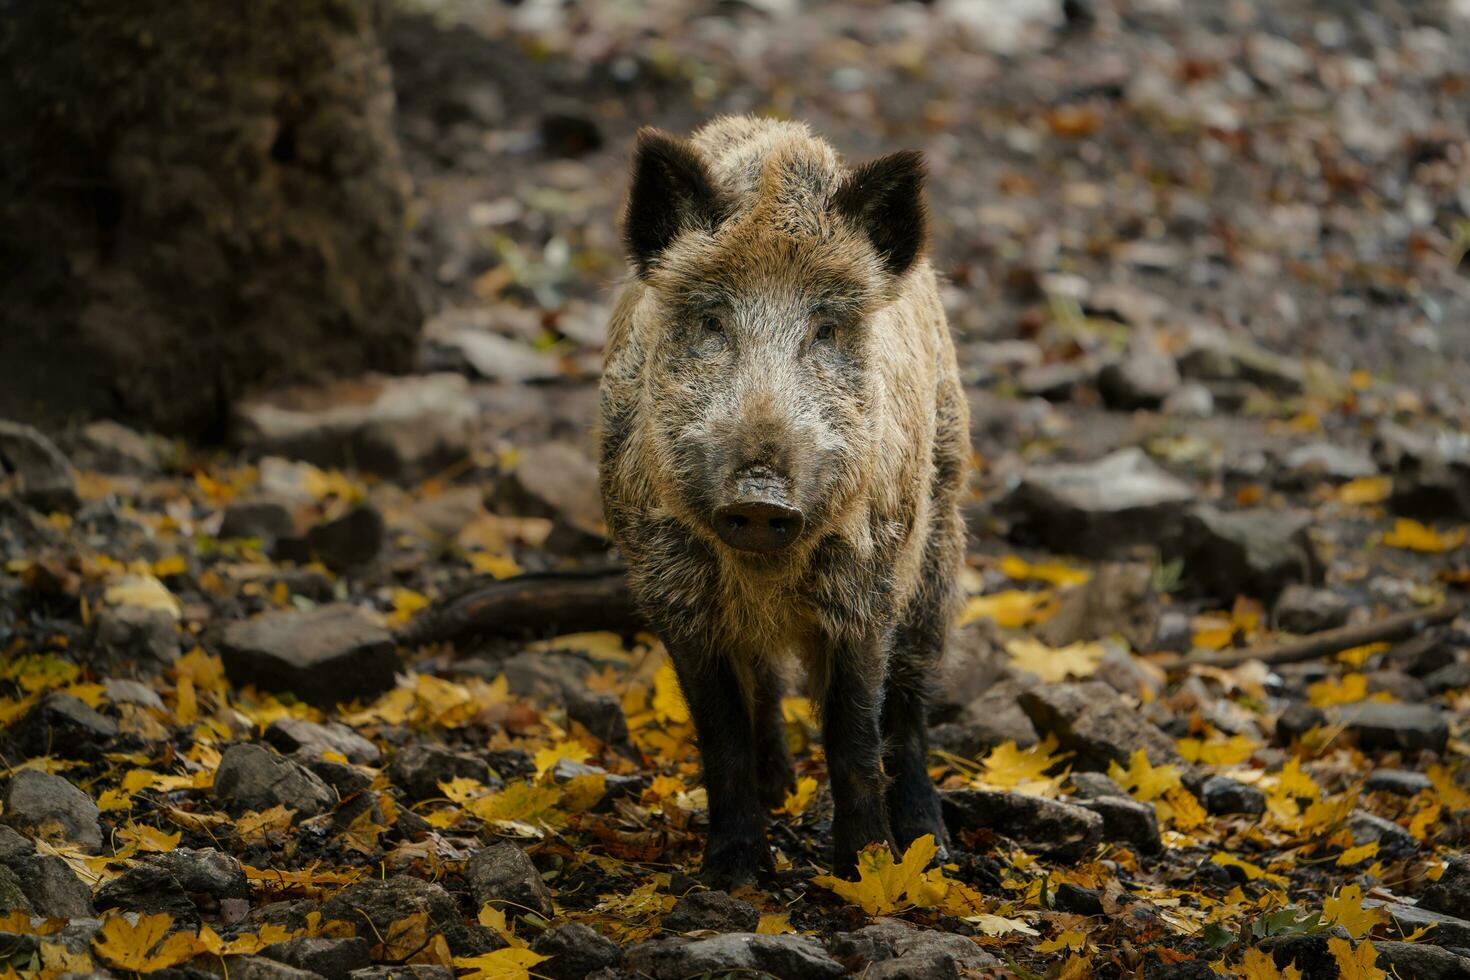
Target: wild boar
(783,448)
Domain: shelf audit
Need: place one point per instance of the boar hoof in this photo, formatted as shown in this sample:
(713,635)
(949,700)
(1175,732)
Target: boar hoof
(731,866)
(914,814)
(774,783)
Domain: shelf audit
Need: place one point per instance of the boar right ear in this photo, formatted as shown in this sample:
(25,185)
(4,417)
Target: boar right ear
(672,193)
(884,198)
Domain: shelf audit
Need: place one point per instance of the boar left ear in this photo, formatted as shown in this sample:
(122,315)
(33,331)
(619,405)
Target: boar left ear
(884,198)
(672,193)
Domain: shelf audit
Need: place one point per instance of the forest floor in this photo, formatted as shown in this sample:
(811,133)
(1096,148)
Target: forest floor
(1207,272)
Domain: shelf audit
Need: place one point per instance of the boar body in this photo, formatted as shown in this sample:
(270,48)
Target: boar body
(783,445)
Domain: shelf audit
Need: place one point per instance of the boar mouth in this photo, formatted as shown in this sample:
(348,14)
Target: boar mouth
(758,515)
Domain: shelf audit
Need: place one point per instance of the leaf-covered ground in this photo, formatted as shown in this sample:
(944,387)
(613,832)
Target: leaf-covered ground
(1232,241)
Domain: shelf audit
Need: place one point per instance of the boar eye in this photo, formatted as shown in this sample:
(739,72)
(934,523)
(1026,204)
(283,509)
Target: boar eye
(713,324)
(826,330)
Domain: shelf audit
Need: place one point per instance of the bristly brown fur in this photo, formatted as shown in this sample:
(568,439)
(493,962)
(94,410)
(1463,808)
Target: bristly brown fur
(832,361)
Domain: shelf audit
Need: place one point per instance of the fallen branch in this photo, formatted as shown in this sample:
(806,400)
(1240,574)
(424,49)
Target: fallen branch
(1395,627)
(541,604)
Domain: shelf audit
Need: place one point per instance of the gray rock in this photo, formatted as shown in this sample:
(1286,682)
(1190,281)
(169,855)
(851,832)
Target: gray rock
(348,542)
(559,481)
(1432,491)
(331,958)
(34,470)
(502,875)
(1142,379)
(1102,508)
(894,942)
(1222,795)
(50,885)
(403,427)
(1399,782)
(62,719)
(1118,599)
(251,777)
(418,770)
(299,735)
(974,662)
(1252,552)
(1095,785)
(1393,840)
(549,676)
(1212,356)
(1450,677)
(261,968)
(601,713)
(480,353)
(996,717)
(1421,961)
(1398,684)
(36,802)
(1424,654)
(372,905)
(1386,726)
(121,690)
(1298,719)
(789,957)
(1451,893)
(1091,720)
(329,655)
(1305,609)
(148,890)
(106,446)
(712,910)
(1127,821)
(147,637)
(204,871)
(575,950)
(345,778)
(1064,831)
(1191,400)
(409,971)
(1056,381)
(1449,930)
(1327,461)
(12,895)
(1077,900)
(268,519)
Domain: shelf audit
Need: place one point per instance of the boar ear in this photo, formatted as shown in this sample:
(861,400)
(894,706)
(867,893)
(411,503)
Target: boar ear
(672,193)
(884,198)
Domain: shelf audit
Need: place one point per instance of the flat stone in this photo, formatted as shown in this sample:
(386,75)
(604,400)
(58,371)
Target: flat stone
(1056,381)
(601,713)
(1095,785)
(409,971)
(112,448)
(1143,378)
(334,959)
(1421,961)
(1102,508)
(1451,893)
(502,875)
(1127,821)
(348,542)
(418,769)
(299,735)
(559,481)
(1399,782)
(482,354)
(1118,599)
(327,656)
(121,690)
(1306,609)
(712,910)
(372,905)
(790,957)
(1254,552)
(147,890)
(146,637)
(1078,900)
(576,951)
(1298,719)
(1091,720)
(251,777)
(1386,726)
(1191,400)
(62,719)
(1223,795)
(205,870)
(1393,841)
(268,519)
(1450,677)
(261,968)
(400,427)
(996,717)
(1064,831)
(894,941)
(1449,930)
(43,804)
(1330,461)
(34,470)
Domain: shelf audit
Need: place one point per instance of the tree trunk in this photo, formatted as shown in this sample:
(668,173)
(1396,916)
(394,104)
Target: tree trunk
(197,197)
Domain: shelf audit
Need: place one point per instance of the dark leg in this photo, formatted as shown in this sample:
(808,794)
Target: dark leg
(736,850)
(913,803)
(775,776)
(852,708)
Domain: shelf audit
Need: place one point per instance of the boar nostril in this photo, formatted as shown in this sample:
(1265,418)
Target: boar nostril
(758,525)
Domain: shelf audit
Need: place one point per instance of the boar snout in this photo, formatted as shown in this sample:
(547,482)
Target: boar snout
(759,515)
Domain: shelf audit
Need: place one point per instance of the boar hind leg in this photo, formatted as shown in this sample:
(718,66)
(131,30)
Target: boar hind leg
(851,730)
(913,803)
(775,776)
(736,849)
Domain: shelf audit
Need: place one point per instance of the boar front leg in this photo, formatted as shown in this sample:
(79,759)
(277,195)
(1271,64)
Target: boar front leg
(852,708)
(774,772)
(736,850)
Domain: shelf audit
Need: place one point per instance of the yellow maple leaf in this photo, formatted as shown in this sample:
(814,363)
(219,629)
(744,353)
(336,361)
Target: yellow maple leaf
(1446,790)
(1345,908)
(775,924)
(1413,536)
(172,565)
(1055,664)
(1055,572)
(494,565)
(1075,967)
(1183,810)
(668,699)
(146,838)
(800,798)
(1231,751)
(255,826)
(1011,609)
(1365,490)
(884,886)
(1071,939)
(1357,656)
(1423,822)
(548,757)
(143,947)
(1143,780)
(1291,781)
(1257,965)
(1355,964)
(1253,872)
(512,963)
(1024,770)
(1351,688)
(145,592)
(207,672)
(522,801)
(581,793)
(406,602)
(1357,855)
